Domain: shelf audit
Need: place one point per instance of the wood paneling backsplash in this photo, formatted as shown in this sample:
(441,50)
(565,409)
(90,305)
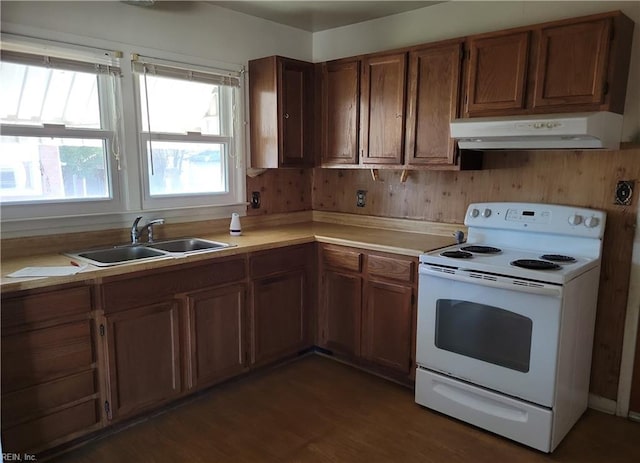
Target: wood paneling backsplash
(281,190)
(580,178)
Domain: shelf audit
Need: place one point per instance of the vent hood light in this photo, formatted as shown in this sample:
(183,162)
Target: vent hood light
(599,130)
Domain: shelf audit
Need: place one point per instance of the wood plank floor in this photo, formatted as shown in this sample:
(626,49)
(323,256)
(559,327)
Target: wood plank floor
(318,410)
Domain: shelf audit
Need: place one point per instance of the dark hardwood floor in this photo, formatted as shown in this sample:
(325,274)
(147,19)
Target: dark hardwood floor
(318,410)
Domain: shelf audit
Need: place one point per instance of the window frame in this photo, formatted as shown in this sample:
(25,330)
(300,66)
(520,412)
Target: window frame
(29,52)
(127,179)
(230,106)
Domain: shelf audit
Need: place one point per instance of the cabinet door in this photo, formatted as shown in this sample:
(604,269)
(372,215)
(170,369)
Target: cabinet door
(387,321)
(217,334)
(294,90)
(278,316)
(340,313)
(434,83)
(572,64)
(382,105)
(497,73)
(143,349)
(340,93)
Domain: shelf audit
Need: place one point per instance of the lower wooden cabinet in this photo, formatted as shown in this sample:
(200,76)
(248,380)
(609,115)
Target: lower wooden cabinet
(387,325)
(341,312)
(278,316)
(367,310)
(70,366)
(217,334)
(143,357)
(50,391)
(280,303)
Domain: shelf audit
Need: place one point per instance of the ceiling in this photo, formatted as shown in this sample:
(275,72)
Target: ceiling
(316,16)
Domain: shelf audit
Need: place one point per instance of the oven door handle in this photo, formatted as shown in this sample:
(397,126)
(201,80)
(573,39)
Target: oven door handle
(493,281)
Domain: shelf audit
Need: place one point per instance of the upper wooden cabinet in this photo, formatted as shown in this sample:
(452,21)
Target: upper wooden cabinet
(382,106)
(340,96)
(573,65)
(497,71)
(281,112)
(432,103)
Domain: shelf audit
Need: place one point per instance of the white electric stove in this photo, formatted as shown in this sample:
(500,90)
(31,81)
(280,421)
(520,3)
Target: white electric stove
(506,320)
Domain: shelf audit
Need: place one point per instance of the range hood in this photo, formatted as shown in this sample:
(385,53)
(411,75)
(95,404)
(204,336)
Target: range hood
(556,131)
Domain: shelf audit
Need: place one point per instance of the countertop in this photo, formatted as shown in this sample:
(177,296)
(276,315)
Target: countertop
(392,241)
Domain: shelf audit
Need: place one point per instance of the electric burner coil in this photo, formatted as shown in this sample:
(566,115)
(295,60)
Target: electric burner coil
(534,264)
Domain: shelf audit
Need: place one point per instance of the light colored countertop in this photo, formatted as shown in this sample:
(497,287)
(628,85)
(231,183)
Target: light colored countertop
(255,239)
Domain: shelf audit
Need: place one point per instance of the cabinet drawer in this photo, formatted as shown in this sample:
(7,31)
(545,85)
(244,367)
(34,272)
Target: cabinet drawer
(391,268)
(45,306)
(279,260)
(36,434)
(33,357)
(37,400)
(342,259)
(143,288)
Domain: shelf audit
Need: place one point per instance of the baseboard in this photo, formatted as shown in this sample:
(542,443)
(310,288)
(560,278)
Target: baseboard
(633,416)
(602,404)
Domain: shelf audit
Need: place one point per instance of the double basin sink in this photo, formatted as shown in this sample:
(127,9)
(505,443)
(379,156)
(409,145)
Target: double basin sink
(146,251)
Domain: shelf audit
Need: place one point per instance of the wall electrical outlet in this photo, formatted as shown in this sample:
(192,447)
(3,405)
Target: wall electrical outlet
(255,200)
(624,192)
(361,198)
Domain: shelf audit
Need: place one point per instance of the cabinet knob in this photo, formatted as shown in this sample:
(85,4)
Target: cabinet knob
(286,115)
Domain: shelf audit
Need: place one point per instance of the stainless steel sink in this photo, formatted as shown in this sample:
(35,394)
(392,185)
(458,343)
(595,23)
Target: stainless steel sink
(148,251)
(188,245)
(117,255)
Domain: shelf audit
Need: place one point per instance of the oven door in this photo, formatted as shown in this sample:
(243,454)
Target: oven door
(493,331)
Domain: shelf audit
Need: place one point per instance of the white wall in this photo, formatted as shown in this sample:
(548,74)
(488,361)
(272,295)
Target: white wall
(460,18)
(192,28)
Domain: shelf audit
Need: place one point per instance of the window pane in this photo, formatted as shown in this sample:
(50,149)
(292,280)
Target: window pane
(180,106)
(187,168)
(42,169)
(33,95)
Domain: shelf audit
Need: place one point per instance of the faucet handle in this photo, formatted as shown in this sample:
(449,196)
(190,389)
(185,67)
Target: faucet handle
(149,227)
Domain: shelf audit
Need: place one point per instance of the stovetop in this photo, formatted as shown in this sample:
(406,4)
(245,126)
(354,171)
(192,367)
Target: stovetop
(526,232)
(501,263)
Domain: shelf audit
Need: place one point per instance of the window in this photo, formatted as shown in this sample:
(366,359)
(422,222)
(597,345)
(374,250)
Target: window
(58,129)
(86,144)
(187,132)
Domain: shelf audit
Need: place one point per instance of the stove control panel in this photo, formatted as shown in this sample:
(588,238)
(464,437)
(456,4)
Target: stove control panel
(537,218)
(528,215)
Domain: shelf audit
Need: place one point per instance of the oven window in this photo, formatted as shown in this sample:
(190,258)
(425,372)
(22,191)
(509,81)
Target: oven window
(484,332)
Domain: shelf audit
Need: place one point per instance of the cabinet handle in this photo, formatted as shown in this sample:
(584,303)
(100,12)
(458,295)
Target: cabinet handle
(286,115)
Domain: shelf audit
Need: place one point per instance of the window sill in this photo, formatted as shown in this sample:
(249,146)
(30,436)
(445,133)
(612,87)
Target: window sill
(16,228)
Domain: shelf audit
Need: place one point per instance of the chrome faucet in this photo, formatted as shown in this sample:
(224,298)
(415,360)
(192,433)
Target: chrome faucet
(149,227)
(136,232)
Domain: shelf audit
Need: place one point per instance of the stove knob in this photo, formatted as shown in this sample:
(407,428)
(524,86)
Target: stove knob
(486,213)
(473,213)
(591,222)
(575,219)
